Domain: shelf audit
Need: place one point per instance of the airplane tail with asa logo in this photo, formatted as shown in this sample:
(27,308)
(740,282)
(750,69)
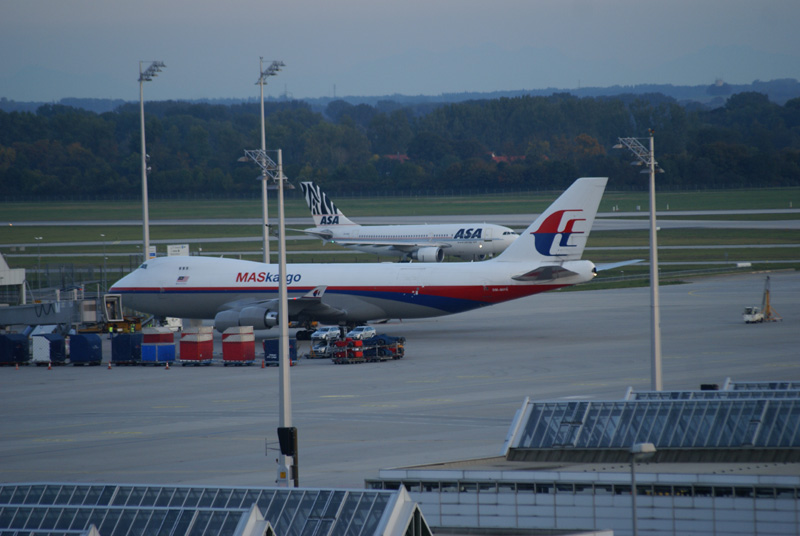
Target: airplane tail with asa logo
(322,208)
(560,233)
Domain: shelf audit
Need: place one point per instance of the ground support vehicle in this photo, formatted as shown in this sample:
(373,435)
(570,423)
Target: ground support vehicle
(374,349)
(752,315)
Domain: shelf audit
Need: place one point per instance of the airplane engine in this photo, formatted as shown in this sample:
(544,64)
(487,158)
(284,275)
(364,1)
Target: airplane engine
(473,257)
(428,254)
(225,320)
(258,317)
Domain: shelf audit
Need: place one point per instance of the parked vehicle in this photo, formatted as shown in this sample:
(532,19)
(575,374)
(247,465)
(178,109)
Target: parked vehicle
(327,333)
(361,332)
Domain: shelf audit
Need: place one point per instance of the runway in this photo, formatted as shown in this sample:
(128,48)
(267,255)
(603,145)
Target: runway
(452,397)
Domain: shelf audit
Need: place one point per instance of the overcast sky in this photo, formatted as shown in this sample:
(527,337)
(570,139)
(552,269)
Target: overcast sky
(51,49)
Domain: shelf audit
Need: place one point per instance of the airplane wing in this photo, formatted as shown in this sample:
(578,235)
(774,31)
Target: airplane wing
(264,314)
(311,304)
(544,273)
(324,234)
(308,304)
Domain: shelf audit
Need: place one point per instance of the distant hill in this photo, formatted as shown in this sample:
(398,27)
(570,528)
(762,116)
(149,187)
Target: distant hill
(708,96)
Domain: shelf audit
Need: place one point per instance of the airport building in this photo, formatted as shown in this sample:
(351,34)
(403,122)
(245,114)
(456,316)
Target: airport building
(723,461)
(116,510)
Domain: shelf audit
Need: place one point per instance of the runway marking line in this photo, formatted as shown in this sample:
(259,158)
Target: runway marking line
(52,440)
(379,405)
(435,399)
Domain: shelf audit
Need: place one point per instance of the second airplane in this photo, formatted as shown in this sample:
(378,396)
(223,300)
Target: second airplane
(425,243)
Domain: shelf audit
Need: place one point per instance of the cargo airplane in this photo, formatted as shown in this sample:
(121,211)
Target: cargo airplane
(425,243)
(237,292)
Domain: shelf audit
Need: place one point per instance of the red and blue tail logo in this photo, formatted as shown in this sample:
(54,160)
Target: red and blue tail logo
(546,234)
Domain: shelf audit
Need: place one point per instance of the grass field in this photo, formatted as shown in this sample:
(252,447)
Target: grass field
(519,203)
(683,245)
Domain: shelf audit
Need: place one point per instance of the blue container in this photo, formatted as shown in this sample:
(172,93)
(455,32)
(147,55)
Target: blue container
(271,347)
(126,348)
(154,353)
(85,349)
(14,349)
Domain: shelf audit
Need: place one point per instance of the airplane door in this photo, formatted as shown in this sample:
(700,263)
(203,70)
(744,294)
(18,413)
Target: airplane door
(162,294)
(410,277)
(485,245)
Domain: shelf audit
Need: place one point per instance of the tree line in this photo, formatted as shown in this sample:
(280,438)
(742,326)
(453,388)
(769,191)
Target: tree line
(520,143)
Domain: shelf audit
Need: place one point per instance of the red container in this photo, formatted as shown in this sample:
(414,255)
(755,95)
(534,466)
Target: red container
(197,346)
(157,336)
(238,345)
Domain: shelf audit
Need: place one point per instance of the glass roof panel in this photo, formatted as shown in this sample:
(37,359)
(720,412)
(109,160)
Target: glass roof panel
(207,498)
(124,523)
(677,423)
(200,523)
(373,517)
(150,496)
(110,521)
(79,495)
(19,494)
(135,511)
(179,497)
(154,523)
(50,518)
(342,525)
(34,495)
(289,509)
(164,496)
(169,523)
(140,521)
(221,498)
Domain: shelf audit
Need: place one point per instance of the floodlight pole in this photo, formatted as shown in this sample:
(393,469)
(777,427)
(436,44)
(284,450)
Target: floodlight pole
(146,76)
(272,70)
(39,261)
(638,452)
(105,283)
(647,157)
(283,321)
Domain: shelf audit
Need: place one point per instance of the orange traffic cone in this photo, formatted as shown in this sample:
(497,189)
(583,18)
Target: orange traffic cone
(49,366)
(16,367)
(262,363)
(167,368)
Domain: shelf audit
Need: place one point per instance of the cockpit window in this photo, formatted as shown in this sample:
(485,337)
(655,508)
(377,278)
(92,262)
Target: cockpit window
(143,266)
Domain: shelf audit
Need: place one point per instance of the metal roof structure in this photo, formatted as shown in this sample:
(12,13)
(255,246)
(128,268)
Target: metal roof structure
(711,395)
(693,426)
(58,509)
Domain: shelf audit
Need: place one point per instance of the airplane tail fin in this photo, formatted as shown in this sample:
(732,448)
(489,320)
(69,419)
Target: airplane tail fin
(323,210)
(560,232)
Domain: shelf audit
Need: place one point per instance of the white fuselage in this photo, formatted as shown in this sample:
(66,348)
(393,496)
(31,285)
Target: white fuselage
(201,287)
(467,241)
